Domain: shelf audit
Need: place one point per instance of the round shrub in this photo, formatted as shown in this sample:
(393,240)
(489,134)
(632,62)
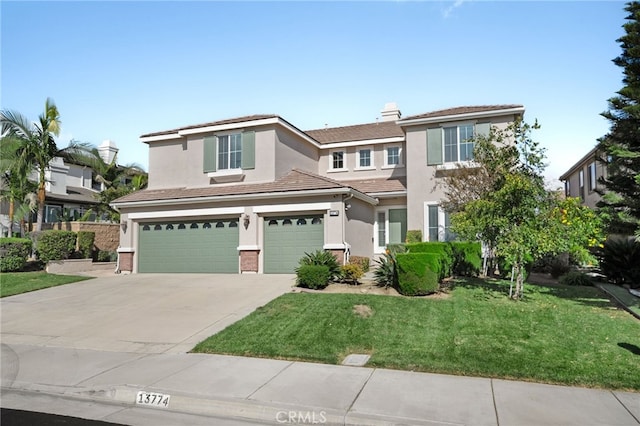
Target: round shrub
(416,276)
(352,272)
(85,243)
(15,252)
(313,276)
(55,245)
(322,258)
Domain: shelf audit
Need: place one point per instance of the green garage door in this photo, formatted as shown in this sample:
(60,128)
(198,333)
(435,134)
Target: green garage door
(202,246)
(287,239)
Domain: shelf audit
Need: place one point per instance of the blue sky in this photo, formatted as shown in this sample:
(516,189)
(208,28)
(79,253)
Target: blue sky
(117,69)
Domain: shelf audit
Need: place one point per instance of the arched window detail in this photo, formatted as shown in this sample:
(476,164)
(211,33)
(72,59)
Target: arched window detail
(233,224)
(182,226)
(157,228)
(194,226)
(301,221)
(207,225)
(287,222)
(146,228)
(316,221)
(273,222)
(220,225)
(169,227)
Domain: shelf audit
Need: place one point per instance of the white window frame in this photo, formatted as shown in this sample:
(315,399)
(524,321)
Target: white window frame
(372,165)
(344,160)
(458,140)
(592,177)
(228,154)
(400,155)
(442,231)
(377,248)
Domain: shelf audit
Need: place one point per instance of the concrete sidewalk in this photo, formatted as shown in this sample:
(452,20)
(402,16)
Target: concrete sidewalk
(284,392)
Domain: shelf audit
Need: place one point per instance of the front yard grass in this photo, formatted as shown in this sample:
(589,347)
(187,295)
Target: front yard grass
(12,283)
(564,335)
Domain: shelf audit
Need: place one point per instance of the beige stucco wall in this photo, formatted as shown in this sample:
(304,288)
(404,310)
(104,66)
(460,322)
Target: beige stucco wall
(423,181)
(291,151)
(591,197)
(352,172)
(359,227)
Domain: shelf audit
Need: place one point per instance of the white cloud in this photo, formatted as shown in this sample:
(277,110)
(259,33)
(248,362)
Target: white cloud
(448,11)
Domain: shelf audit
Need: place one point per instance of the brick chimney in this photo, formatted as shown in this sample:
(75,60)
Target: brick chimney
(390,112)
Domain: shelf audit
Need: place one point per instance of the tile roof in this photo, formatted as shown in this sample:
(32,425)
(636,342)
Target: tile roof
(461,110)
(295,180)
(214,123)
(378,185)
(359,132)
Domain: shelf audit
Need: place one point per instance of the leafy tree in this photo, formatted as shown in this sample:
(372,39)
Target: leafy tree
(513,213)
(620,148)
(34,145)
(15,186)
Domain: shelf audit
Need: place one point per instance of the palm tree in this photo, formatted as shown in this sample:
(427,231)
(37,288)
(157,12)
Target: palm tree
(35,145)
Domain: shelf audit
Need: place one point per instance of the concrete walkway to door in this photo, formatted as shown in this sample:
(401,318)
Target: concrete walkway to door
(140,313)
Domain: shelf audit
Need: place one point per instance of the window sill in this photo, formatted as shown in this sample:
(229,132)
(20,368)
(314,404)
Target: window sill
(457,165)
(229,175)
(365,168)
(393,166)
(337,170)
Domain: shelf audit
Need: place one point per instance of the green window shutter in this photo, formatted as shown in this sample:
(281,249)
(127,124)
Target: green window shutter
(209,155)
(482,129)
(248,150)
(434,146)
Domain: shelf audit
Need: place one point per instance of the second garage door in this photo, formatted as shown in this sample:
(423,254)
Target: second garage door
(287,239)
(198,246)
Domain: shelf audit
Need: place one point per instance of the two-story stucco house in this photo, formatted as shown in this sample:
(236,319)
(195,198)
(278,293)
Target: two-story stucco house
(581,180)
(254,193)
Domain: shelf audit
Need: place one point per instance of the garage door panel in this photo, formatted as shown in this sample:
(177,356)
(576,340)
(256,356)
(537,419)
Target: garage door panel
(189,247)
(287,239)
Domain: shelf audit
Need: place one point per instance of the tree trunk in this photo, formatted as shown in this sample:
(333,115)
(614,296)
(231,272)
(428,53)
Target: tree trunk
(11,215)
(41,197)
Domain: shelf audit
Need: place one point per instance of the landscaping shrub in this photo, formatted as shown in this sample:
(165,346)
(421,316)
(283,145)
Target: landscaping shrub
(575,278)
(85,243)
(442,249)
(385,273)
(16,251)
(362,261)
(313,276)
(397,248)
(467,258)
(352,272)
(322,258)
(414,236)
(620,262)
(416,274)
(55,245)
(106,256)
(559,265)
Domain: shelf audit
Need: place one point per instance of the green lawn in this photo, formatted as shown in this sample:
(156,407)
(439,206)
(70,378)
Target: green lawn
(12,283)
(567,335)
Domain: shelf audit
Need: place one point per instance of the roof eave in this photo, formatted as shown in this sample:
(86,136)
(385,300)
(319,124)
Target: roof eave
(458,117)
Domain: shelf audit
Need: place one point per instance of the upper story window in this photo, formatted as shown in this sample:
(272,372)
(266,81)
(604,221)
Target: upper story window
(230,151)
(591,172)
(393,156)
(581,183)
(365,158)
(337,160)
(458,143)
(567,188)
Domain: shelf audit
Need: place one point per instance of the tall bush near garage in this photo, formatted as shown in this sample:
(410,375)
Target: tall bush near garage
(15,252)
(418,273)
(85,243)
(55,245)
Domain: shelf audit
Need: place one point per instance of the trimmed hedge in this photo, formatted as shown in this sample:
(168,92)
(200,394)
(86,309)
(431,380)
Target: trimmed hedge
(55,245)
(85,243)
(16,253)
(313,276)
(418,273)
(467,258)
(442,249)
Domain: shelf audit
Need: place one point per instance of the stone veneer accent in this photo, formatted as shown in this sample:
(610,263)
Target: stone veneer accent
(339,255)
(126,261)
(249,260)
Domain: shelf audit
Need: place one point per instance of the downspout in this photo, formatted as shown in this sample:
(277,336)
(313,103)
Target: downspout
(347,247)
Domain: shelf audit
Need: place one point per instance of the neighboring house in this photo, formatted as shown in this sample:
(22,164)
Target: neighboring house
(70,189)
(253,194)
(581,180)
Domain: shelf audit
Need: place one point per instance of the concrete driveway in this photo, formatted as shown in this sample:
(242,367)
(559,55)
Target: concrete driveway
(142,313)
